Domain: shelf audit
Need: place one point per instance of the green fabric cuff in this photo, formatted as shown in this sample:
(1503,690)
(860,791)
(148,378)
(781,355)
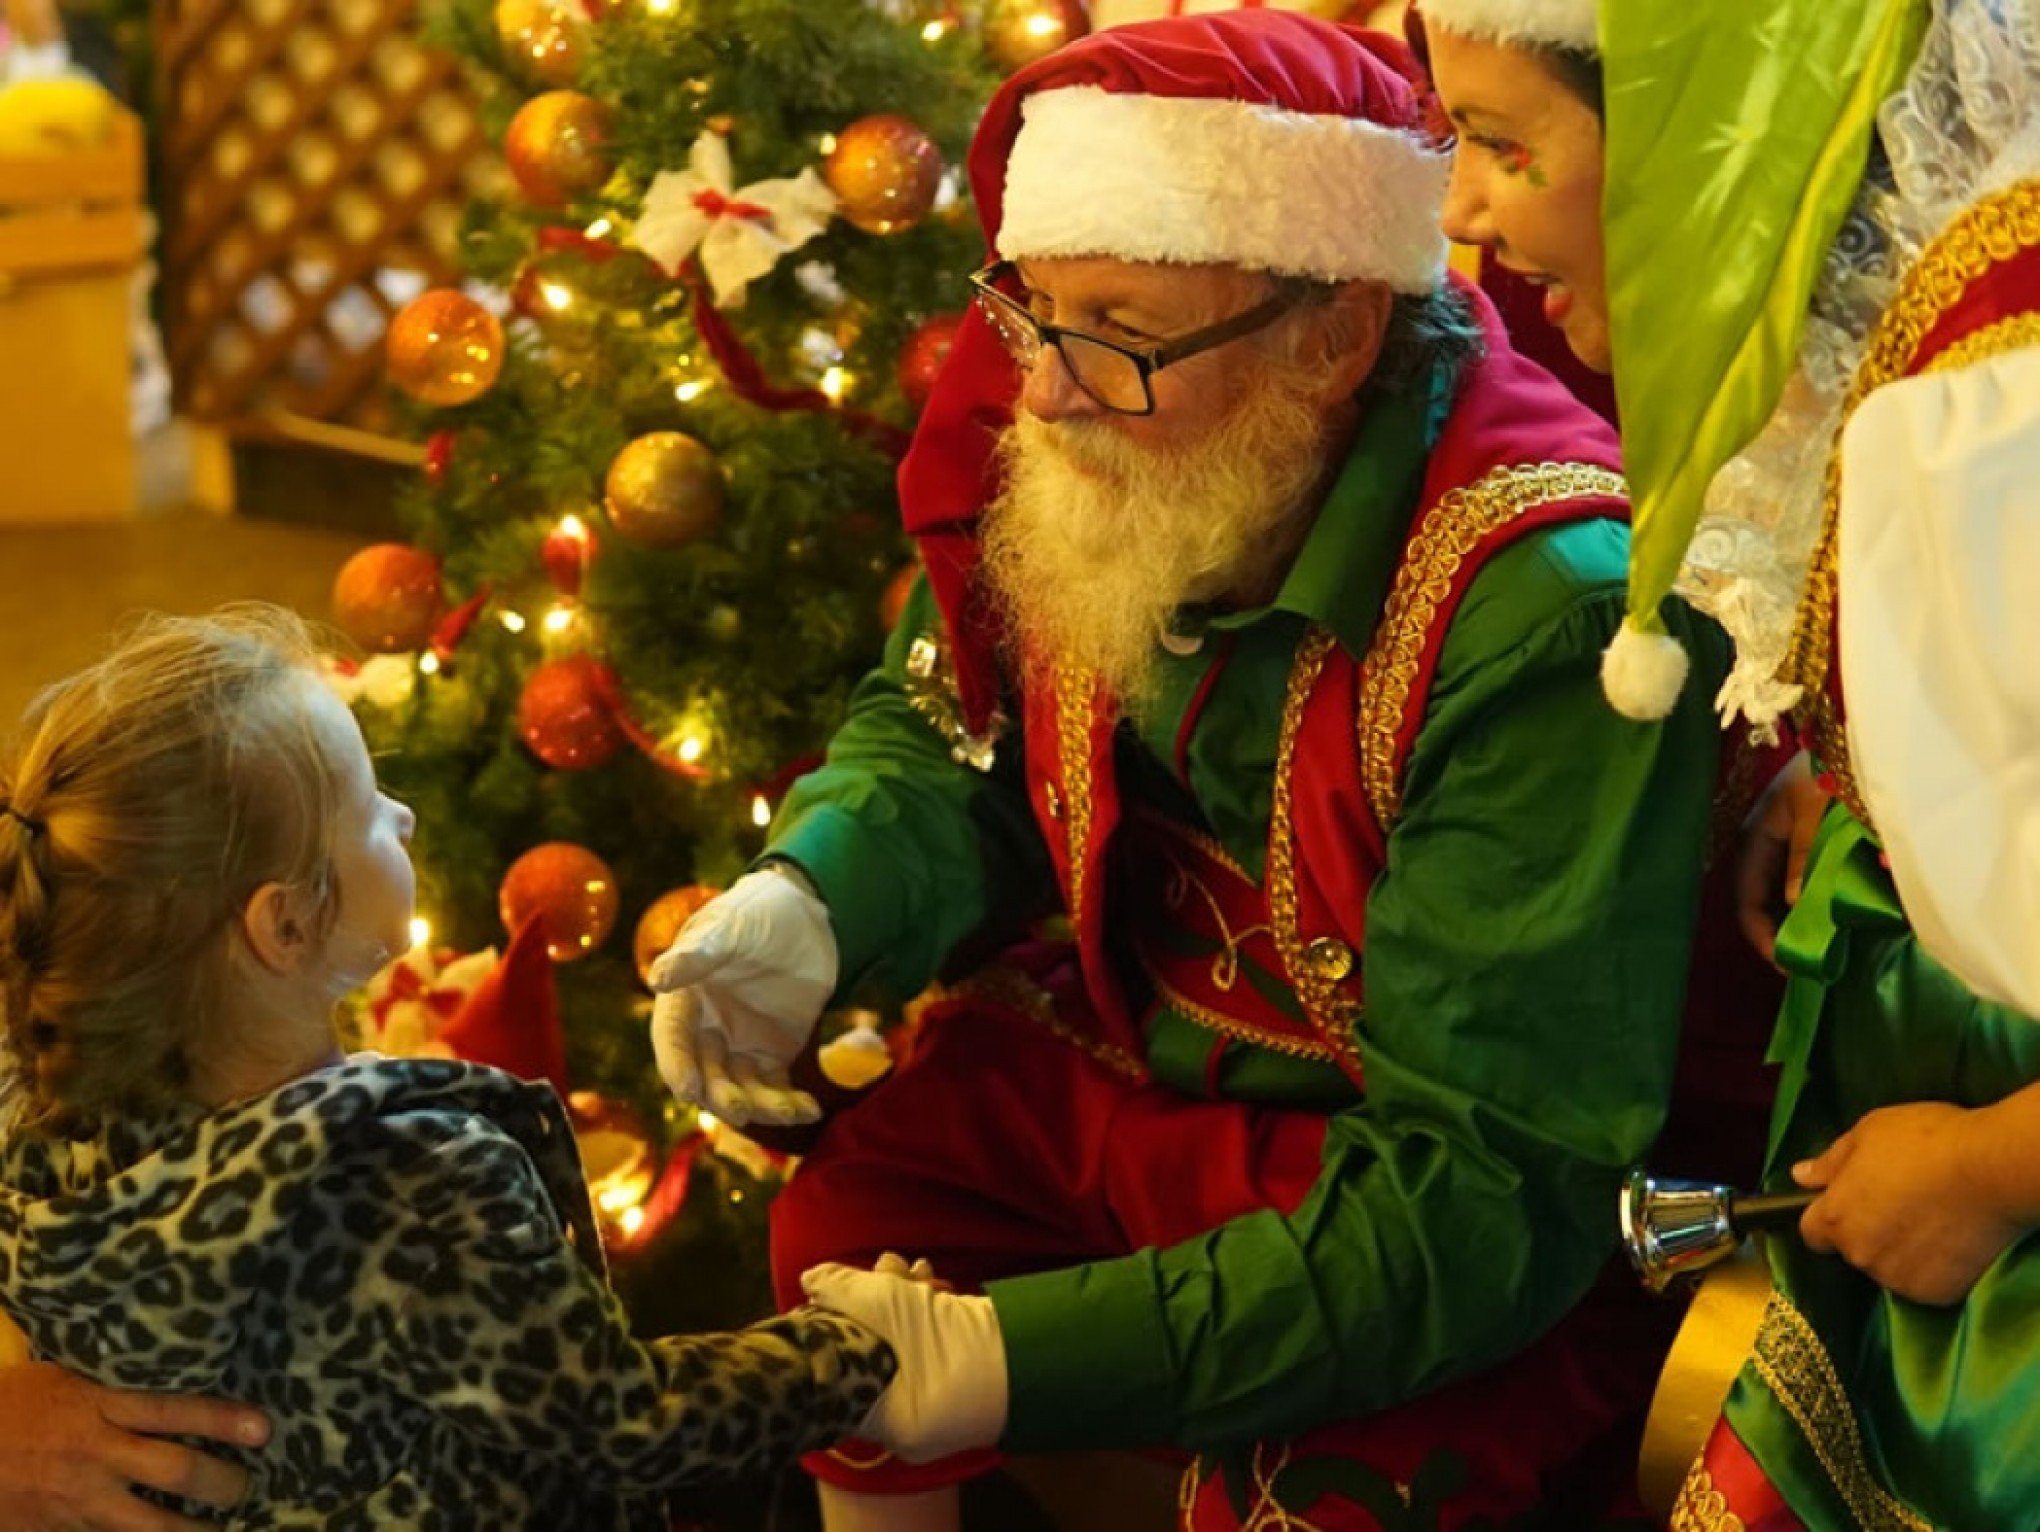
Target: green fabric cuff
(829,845)
(1088,1359)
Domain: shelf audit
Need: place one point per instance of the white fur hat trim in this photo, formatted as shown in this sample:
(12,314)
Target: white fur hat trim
(1191,180)
(1536,23)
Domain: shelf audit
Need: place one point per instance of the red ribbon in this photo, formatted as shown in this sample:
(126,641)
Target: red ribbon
(747,379)
(716,205)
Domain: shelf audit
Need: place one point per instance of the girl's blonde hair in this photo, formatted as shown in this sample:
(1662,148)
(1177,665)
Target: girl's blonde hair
(142,802)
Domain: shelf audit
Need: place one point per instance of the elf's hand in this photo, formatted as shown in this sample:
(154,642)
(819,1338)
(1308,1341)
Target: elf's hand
(1900,1200)
(738,994)
(950,1392)
(1776,839)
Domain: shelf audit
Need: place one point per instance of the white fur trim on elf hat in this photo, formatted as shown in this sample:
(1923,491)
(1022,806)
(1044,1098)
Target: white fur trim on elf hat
(1642,673)
(1526,23)
(1190,180)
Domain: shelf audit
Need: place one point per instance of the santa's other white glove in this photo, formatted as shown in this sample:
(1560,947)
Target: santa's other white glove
(950,1392)
(738,994)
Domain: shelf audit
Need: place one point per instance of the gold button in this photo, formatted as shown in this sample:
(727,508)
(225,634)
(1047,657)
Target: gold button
(1052,800)
(1329,958)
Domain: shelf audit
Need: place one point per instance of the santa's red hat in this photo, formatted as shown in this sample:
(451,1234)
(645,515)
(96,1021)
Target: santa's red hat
(1257,138)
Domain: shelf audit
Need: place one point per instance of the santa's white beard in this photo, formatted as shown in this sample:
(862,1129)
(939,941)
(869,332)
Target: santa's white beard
(1096,540)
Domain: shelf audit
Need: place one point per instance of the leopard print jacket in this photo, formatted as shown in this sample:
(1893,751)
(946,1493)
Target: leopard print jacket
(397,1261)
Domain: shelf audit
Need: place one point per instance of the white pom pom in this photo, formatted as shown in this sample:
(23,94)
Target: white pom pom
(1642,673)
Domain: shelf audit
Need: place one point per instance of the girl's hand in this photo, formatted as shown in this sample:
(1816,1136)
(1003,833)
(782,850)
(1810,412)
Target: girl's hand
(1903,1200)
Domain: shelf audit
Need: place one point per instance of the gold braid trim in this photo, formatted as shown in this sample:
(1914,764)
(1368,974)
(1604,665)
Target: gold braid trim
(1991,232)
(1702,1507)
(1332,1013)
(1075,693)
(1264,1512)
(1232,1026)
(1447,535)
(1008,987)
(1797,1370)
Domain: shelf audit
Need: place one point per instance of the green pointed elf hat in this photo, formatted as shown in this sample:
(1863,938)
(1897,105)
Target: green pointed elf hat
(1736,135)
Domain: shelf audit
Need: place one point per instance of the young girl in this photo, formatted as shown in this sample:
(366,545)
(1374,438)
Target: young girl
(395,1259)
(1896,1390)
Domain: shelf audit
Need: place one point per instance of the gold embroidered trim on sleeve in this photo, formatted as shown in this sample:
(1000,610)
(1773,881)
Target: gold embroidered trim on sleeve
(1448,533)
(1987,234)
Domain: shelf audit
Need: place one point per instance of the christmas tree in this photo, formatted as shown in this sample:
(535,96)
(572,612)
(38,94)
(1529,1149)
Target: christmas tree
(655,540)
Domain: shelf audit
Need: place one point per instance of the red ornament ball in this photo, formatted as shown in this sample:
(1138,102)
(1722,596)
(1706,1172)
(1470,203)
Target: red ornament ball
(387,598)
(885,171)
(661,922)
(567,886)
(555,146)
(563,715)
(922,357)
(444,349)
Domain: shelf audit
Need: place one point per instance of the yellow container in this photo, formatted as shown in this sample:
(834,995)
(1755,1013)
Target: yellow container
(70,239)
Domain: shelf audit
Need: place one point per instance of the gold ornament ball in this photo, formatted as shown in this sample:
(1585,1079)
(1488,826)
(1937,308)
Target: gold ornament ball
(1017,32)
(555,146)
(570,889)
(661,922)
(665,490)
(387,598)
(444,349)
(543,37)
(617,1159)
(885,171)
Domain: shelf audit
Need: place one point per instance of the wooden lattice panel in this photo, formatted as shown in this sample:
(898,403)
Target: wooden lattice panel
(315,161)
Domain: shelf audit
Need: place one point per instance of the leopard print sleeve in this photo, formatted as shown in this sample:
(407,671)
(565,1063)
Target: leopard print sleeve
(498,1293)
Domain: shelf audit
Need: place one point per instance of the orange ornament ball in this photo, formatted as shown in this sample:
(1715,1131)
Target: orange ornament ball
(570,889)
(444,349)
(664,490)
(544,38)
(661,922)
(387,598)
(894,601)
(1017,32)
(555,146)
(885,172)
(563,715)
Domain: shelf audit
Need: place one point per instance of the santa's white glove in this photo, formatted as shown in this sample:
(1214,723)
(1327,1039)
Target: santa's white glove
(950,1392)
(738,994)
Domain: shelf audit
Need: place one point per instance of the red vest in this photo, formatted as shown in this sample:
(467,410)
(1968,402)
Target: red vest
(1348,724)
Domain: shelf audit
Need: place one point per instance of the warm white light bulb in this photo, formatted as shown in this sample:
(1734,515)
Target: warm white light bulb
(428,663)
(692,748)
(512,621)
(559,619)
(691,390)
(631,1220)
(761,811)
(557,298)
(835,383)
(421,930)
(598,228)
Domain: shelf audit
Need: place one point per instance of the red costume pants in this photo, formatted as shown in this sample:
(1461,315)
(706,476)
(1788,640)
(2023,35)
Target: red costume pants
(1000,1149)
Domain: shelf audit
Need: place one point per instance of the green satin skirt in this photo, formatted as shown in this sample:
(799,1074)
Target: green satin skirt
(1865,1409)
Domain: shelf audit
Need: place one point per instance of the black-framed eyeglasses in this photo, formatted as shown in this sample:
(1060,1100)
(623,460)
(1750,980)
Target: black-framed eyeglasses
(1117,377)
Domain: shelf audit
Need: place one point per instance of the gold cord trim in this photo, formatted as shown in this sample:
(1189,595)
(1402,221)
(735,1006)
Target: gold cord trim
(1797,1370)
(1075,695)
(1702,1507)
(1232,1026)
(1445,537)
(1013,990)
(1987,234)
(1331,1013)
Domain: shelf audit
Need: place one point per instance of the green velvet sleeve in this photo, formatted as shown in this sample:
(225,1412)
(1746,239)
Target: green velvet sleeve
(1526,955)
(911,851)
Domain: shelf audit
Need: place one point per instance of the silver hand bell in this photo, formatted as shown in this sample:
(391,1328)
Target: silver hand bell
(1673,1229)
